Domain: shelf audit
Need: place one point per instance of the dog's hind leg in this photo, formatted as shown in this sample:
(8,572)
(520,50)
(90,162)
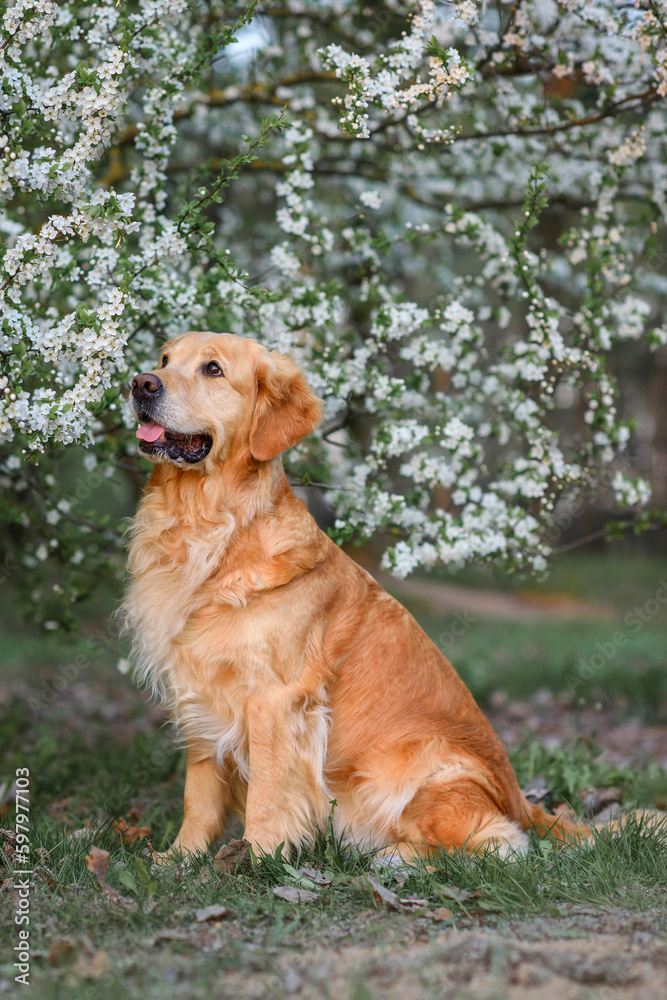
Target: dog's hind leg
(460,815)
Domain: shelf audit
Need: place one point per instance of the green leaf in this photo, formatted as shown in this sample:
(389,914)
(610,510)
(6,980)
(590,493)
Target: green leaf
(126,879)
(142,872)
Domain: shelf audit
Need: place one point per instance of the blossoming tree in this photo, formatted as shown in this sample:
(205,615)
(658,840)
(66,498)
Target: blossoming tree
(449,213)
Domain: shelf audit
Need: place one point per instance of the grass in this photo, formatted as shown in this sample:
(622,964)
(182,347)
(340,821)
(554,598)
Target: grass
(619,657)
(98,751)
(628,870)
(559,657)
(618,575)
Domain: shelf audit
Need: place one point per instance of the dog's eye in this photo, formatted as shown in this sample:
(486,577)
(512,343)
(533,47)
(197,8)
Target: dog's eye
(164,361)
(213,368)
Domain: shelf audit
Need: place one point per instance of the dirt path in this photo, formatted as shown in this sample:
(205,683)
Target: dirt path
(527,605)
(586,956)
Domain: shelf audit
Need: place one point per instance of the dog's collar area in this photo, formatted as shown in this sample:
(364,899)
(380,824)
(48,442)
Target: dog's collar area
(189,448)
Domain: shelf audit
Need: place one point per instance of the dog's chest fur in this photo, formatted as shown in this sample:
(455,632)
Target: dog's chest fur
(206,641)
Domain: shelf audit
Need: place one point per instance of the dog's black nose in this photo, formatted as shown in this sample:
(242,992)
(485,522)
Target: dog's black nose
(145,385)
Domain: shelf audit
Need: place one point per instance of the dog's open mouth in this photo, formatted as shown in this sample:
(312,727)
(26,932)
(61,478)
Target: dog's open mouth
(156,440)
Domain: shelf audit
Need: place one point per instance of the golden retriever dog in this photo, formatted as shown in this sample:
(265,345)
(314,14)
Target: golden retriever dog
(294,678)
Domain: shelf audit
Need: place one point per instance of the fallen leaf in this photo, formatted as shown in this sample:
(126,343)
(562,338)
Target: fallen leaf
(61,951)
(207,937)
(213,912)
(8,841)
(439,914)
(460,895)
(82,833)
(412,903)
(92,967)
(387,896)
(97,862)
(46,876)
(536,790)
(129,834)
(595,799)
(315,875)
(380,893)
(231,856)
(294,895)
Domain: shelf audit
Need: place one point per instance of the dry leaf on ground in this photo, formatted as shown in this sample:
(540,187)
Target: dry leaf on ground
(82,833)
(129,833)
(231,856)
(380,893)
(46,875)
(7,841)
(412,903)
(595,799)
(61,951)
(460,895)
(536,790)
(213,912)
(315,875)
(294,895)
(439,914)
(97,862)
(92,966)
(383,895)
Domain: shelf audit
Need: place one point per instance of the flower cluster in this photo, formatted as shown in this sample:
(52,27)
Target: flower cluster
(387,80)
(451,215)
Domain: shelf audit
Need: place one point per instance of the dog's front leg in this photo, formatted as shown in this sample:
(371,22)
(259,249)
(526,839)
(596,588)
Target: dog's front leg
(206,798)
(287,750)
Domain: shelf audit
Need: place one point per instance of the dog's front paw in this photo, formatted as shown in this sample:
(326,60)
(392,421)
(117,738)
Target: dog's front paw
(262,844)
(164,858)
(177,853)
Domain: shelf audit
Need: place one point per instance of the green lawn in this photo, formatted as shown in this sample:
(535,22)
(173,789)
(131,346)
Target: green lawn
(98,751)
(619,656)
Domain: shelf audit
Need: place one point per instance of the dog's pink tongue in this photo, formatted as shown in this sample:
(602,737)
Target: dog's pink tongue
(149,432)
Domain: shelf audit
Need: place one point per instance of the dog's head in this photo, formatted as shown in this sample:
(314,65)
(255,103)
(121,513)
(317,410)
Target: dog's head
(217,395)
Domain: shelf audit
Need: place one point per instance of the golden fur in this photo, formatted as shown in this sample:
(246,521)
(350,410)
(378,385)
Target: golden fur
(294,678)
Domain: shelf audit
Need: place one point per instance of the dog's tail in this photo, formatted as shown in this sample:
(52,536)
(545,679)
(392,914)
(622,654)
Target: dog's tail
(560,827)
(567,831)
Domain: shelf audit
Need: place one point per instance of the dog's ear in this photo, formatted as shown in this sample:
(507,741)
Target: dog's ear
(286,409)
